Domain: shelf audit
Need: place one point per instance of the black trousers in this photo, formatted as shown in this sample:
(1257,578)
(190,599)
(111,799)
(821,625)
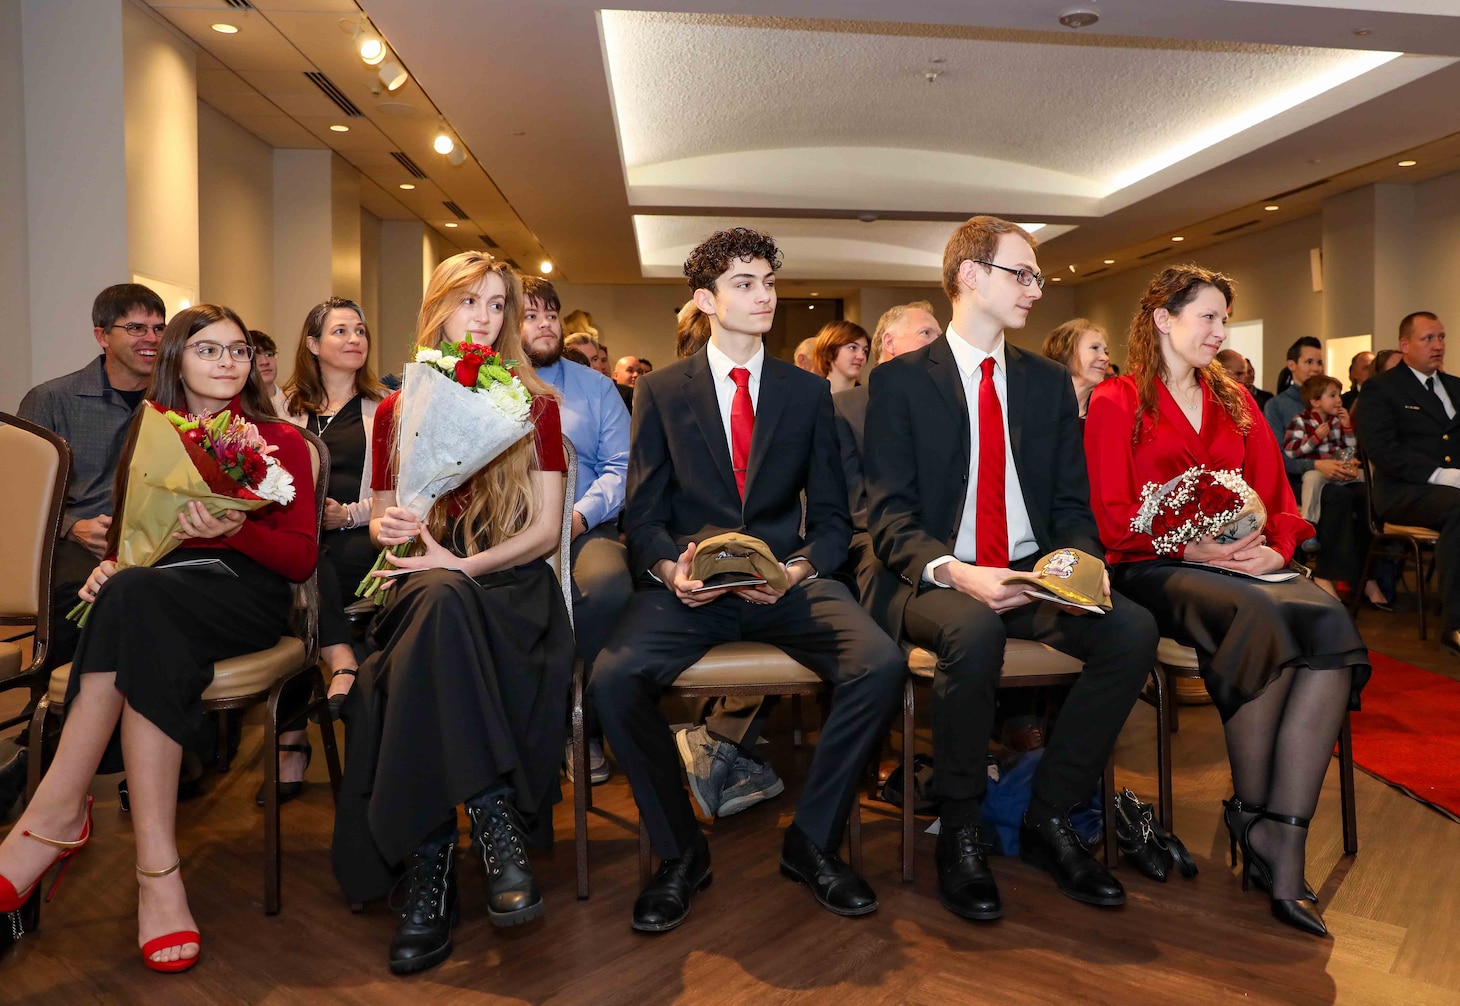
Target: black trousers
(1118,648)
(69,574)
(1343,533)
(345,556)
(818,624)
(1437,507)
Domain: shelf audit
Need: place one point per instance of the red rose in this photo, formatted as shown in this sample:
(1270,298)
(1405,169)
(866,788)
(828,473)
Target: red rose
(466,372)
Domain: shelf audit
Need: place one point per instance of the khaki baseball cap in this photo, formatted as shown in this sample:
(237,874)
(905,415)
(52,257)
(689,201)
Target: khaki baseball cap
(735,557)
(1069,574)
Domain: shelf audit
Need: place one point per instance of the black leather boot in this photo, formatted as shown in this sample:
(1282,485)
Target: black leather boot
(512,894)
(423,938)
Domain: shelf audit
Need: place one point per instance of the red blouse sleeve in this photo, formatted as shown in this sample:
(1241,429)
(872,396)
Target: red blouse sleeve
(1110,459)
(283,539)
(1262,467)
(549,425)
(382,471)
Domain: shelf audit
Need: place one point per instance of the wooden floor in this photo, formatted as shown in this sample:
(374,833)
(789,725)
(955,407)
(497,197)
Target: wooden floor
(754,937)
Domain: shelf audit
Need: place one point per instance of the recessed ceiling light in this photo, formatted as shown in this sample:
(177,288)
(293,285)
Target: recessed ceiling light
(1272,206)
(224,28)
(1408,163)
(1056,279)
(815,294)
(545,267)
(1110,261)
(1361,32)
(407,186)
(451,225)
(1178,238)
(338,128)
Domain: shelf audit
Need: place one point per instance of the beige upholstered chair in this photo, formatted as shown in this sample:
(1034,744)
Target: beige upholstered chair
(1175,658)
(38,464)
(1027,664)
(248,680)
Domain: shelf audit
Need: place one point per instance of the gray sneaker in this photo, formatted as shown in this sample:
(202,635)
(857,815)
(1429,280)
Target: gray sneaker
(750,782)
(707,763)
(599,771)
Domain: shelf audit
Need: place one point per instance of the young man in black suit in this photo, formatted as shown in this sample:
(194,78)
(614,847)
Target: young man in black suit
(953,528)
(728,440)
(1409,429)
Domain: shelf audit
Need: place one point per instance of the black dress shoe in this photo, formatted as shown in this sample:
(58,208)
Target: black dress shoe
(12,780)
(836,885)
(1054,848)
(423,938)
(288,790)
(965,884)
(512,894)
(664,901)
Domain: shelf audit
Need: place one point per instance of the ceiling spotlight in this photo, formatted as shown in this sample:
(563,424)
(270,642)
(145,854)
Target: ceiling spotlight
(545,267)
(457,157)
(452,225)
(372,48)
(1056,279)
(393,75)
(1078,17)
(1178,238)
(1070,267)
(407,186)
(1408,163)
(443,144)
(1270,207)
(337,128)
(1110,261)
(223,28)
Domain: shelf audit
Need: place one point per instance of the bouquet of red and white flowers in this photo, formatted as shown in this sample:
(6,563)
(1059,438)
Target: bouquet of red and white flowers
(1197,503)
(220,460)
(460,408)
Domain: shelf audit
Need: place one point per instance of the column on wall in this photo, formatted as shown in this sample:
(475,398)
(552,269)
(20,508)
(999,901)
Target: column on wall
(1368,274)
(406,261)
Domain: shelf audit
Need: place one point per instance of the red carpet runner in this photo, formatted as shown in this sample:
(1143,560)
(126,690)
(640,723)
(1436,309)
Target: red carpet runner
(1409,732)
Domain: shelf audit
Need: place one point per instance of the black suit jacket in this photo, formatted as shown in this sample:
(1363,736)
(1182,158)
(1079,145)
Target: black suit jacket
(680,484)
(1405,434)
(851,417)
(917,459)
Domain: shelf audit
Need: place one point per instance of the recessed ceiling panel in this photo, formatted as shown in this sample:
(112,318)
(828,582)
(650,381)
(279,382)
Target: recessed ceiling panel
(883,250)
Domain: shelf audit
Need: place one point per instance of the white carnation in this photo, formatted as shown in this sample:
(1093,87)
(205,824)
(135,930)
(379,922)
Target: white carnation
(512,399)
(278,484)
(428,355)
(446,362)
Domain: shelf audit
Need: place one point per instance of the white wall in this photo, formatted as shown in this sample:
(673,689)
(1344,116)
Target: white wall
(236,220)
(1435,260)
(370,278)
(303,244)
(15,376)
(635,320)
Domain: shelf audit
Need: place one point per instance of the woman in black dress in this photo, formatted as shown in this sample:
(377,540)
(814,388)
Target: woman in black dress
(1281,660)
(147,651)
(466,700)
(334,392)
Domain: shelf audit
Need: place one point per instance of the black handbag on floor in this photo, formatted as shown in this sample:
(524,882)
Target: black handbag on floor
(1146,845)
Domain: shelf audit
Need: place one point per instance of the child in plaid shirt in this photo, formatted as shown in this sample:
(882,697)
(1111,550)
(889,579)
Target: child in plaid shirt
(1323,431)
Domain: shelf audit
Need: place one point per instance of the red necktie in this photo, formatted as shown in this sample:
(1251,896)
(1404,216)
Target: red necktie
(742,425)
(991,527)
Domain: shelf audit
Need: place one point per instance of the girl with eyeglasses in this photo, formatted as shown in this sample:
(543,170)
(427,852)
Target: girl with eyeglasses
(147,651)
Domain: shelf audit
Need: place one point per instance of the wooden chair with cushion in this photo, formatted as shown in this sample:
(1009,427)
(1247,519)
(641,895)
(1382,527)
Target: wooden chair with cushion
(1173,656)
(1417,539)
(248,680)
(1027,664)
(39,466)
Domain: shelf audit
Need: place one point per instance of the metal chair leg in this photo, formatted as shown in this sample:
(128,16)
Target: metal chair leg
(908,791)
(1164,708)
(273,859)
(582,785)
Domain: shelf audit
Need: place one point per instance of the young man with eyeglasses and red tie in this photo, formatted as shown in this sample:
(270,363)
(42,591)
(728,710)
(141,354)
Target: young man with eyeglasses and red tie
(91,410)
(953,529)
(729,439)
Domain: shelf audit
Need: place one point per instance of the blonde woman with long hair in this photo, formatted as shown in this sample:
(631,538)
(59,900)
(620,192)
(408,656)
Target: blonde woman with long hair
(466,700)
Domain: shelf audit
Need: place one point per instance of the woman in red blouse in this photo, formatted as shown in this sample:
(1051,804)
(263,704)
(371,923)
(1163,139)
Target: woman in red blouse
(147,652)
(466,700)
(1282,661)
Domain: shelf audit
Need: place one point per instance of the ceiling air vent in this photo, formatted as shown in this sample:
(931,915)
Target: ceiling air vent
(456,210)
(240,4)
(334,94)
(486,239)
(411,166)
(1300,188)
(1236,227)
(1158,251)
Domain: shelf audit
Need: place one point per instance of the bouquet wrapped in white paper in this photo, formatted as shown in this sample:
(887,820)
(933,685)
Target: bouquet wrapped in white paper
(460,408)
(1196,503)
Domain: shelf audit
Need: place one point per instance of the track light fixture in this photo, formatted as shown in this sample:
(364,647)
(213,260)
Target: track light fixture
(443,144)
(393,75)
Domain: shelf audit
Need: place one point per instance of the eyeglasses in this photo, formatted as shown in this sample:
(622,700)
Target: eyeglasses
(212,351)
(136,329)
(1023,276)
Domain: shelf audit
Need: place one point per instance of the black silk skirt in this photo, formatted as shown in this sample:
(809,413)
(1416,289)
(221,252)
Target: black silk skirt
(1245,631)
(162,628)
(469,686)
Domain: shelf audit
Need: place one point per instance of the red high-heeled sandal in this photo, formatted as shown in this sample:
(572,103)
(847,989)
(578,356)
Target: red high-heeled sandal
(170,940)
(12,900)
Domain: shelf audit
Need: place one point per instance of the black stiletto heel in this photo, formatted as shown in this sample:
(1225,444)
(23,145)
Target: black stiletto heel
(1230,809)
(1294,913)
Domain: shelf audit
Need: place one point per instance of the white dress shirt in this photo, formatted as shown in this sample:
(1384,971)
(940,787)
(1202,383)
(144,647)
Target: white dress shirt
(1021,532)
(720,367)
(1440,476)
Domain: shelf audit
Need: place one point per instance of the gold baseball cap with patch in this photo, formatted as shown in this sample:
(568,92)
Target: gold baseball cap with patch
(1071,575)
(727,559)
